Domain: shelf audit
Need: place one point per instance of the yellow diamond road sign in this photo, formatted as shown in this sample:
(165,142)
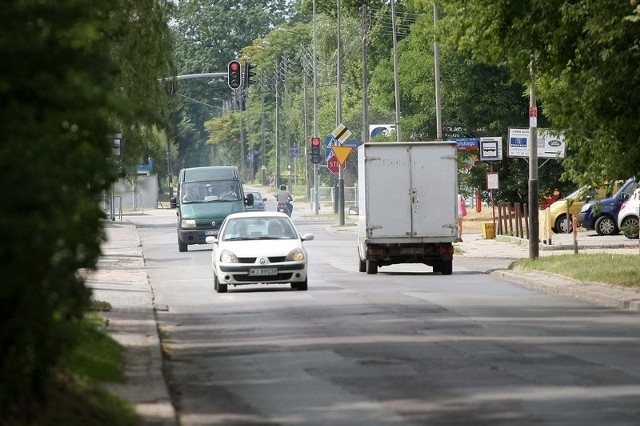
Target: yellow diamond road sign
(341,153)
(341,133)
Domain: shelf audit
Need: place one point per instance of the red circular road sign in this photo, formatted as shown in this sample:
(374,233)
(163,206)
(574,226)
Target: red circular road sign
(333,164)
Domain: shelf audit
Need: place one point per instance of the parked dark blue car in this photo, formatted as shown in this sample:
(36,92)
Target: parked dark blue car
(602,215)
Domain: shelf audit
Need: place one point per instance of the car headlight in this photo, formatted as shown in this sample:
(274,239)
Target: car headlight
(295,255)
(228,257)
(188,223)
(585,207)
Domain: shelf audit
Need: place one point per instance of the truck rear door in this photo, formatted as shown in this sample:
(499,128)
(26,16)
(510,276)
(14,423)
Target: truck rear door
(434,190)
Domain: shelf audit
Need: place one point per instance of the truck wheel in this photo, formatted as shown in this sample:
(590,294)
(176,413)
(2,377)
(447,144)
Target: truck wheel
(446,267)
(605,225)
(182,247)
(362,265)
(437,267)
(372,267)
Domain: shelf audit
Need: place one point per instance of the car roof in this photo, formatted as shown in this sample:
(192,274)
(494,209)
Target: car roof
(264,214)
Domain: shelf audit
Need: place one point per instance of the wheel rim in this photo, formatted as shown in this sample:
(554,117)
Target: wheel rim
(606,226)
(629,223)
(563,225)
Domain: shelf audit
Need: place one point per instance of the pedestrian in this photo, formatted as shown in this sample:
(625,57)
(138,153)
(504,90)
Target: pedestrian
(462,212)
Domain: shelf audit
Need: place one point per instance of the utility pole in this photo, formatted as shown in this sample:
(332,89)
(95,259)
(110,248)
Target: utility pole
(534,229)
(316,197)
(264,144)
(277,177)
(340,201)
(396,70)
(436,61)
(305,67)
(239,98)
(365,74)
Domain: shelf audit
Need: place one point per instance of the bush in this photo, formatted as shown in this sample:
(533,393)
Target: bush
(54,157)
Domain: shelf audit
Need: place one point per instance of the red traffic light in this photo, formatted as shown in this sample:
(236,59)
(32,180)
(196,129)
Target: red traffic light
(315,150)
(233,74)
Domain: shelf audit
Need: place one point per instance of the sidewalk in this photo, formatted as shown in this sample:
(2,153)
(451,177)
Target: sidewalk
(121,280)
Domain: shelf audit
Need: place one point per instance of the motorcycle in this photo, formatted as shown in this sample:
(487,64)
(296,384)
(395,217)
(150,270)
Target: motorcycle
(283,208)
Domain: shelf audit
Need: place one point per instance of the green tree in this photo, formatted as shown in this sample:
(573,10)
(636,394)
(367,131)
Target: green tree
(586,56)
(72,73)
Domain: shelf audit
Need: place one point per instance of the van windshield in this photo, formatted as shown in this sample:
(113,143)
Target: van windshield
(210,191)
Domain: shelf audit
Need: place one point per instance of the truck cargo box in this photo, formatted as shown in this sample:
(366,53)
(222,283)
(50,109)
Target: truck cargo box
(408,203)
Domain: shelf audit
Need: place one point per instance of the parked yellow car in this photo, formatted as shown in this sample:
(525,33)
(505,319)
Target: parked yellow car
(573,203)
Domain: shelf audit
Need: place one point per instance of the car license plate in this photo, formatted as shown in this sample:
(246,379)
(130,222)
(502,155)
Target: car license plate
(411,250)
(210,232)
(258,272)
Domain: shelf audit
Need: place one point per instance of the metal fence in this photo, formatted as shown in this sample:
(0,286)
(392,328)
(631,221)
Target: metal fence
(327,197)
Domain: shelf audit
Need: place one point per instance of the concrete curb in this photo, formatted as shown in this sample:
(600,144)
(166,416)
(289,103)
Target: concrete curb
(596,293)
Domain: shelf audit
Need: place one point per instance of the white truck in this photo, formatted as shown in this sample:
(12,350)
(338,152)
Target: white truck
(407,204)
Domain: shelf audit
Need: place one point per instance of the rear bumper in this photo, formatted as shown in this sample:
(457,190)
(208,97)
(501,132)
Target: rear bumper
(389,254)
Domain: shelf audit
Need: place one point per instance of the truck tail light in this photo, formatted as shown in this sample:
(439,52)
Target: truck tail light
(447,249)
(377,251)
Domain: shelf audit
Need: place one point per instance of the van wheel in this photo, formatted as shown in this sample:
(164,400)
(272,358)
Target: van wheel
(605,226)
(372,267)
(182,247)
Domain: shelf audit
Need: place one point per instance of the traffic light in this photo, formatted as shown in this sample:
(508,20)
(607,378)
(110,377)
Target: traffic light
(233,74)
(315,150)
(248,74)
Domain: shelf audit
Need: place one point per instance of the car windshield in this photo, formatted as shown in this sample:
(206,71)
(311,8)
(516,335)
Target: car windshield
(210,191)
(254,228)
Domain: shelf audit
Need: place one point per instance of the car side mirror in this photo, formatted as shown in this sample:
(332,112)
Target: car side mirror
(626,196)
(211,240)
(248,200)
(173,203)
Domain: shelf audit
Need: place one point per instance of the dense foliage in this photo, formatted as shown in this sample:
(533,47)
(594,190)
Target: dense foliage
(72,73)
(585,56)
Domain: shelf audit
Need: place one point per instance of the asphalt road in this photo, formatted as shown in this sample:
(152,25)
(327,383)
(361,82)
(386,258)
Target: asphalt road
(405,346)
